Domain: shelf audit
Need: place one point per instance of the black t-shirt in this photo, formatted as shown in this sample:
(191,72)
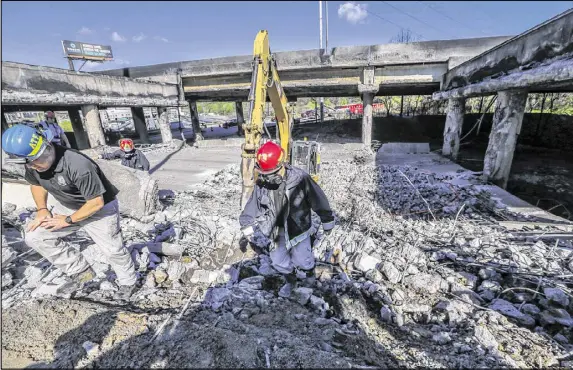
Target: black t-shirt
(73,179)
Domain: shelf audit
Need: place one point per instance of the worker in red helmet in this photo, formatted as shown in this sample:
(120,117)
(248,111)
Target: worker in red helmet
(277,218)
(130,157)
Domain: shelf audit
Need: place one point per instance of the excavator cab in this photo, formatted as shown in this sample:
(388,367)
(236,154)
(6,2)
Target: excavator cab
(306,155)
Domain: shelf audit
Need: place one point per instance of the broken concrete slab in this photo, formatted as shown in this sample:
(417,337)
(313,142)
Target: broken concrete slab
(405,148)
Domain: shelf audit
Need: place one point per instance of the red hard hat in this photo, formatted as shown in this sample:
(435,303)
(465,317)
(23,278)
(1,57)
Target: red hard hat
(270,157)
(126,145)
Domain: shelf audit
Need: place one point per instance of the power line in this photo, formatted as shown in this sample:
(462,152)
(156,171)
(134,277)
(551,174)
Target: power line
(450,18)
(395,24)
(411,16)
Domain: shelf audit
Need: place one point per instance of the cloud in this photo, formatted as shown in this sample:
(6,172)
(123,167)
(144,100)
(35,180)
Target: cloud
(56,34)
(159,38)
(139,38)
(353,13)
(117,37)
(107,29)
(85,31)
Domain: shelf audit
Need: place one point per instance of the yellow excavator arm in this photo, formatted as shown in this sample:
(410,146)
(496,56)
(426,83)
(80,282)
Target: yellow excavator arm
(265,80)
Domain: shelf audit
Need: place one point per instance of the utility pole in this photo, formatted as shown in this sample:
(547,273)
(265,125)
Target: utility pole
(326,34)
(320,39)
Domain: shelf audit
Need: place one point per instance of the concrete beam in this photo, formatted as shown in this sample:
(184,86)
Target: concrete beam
(505,129)
(24,84)
(553,76)
(140,125)
(93,126)
(319,82)
(453,128)
(548,40)
(345,56)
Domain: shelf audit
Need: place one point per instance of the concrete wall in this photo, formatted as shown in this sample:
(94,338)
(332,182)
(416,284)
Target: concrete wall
(26,84)
(550,39)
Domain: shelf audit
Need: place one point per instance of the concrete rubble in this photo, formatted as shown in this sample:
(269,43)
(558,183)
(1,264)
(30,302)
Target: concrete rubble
(417,273)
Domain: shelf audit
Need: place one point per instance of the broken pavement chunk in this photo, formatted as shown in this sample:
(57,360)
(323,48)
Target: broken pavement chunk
(426,283)
(365,262)
(556,295)
(301,295)
(391,272)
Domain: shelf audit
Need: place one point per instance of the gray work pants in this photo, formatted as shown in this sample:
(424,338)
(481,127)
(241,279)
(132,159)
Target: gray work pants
(103,227)
(299,256)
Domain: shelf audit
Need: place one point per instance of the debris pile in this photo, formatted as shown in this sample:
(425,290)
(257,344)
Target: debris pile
(417,273)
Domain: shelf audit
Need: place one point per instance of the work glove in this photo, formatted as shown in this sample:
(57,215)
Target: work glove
(254,235)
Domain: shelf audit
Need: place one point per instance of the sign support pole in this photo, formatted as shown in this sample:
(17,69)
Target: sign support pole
(71,63)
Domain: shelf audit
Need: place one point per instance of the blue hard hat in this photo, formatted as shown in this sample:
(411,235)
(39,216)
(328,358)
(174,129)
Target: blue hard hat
(25,141)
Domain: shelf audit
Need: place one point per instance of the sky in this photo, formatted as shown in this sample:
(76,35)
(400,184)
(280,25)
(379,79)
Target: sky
(151,32)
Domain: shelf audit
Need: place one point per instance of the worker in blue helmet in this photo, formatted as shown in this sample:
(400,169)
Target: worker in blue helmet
(85,200)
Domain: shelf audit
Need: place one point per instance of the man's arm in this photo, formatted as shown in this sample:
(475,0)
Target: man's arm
(85,178)
(117,154)
(64,138)
(86,211)
(319,203)
(143,161)
(40,196)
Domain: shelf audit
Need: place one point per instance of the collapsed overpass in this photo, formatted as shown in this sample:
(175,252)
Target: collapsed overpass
(24,84)
(538,60)
(28,87)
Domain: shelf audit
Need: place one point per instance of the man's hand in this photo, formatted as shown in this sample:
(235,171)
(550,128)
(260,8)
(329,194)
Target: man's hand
(41,215)
(55,223)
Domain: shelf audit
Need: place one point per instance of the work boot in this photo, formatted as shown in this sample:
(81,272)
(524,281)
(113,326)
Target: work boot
(310,280)
(76,282)
(291,284)
(124,292)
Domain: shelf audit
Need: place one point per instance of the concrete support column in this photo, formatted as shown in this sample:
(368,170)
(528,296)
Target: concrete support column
(140,126)
(367,89)
(507,120)
(367,99)
(195,120)
(164,127)
(453,128)
(93,125)
(240,117)
(80,134)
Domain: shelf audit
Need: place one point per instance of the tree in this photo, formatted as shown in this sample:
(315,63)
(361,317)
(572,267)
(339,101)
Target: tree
(405,36)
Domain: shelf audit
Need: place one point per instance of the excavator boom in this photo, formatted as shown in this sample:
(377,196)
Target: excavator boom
(265,80)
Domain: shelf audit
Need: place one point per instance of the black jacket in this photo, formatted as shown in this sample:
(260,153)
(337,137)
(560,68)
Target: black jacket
(135,160)
(303,195)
